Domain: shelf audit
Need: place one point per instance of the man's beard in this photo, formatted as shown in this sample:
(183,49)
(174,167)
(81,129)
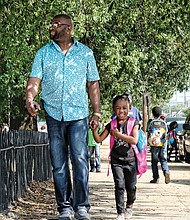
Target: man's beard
(53,35)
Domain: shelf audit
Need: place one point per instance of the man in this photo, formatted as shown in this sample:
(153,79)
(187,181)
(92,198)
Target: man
(66,68)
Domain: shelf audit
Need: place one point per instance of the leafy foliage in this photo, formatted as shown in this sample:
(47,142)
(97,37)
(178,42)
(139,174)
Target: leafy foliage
(140,46)
(187,111)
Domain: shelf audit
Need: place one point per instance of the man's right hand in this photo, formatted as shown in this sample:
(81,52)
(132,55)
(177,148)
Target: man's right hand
(32,107)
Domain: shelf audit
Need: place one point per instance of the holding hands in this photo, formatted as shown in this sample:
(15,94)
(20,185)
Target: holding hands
(114,132)
(94,122)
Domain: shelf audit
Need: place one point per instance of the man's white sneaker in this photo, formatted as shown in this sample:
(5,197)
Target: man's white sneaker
(82,214)
(66,215)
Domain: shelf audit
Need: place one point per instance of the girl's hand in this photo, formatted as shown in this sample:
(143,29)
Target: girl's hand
(114,132)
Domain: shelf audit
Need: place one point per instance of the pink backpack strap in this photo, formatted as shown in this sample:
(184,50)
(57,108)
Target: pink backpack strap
(130,125)
(113,125)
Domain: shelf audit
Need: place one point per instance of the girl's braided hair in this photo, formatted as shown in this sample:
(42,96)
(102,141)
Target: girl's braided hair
(118,97)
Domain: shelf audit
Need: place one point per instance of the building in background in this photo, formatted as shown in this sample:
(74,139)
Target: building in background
(176,105)
(181,98)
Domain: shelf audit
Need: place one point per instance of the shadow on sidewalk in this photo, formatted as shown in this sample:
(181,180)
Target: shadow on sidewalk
(181,181)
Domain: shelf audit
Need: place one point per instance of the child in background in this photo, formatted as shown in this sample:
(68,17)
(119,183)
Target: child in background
(123,160)
(94,151)
(158,152)
(172,140)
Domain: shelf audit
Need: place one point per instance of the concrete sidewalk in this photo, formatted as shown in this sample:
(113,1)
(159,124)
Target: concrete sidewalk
(154,201)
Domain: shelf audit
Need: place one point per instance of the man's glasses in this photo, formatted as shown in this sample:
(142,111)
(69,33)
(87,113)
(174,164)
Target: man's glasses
(56,25)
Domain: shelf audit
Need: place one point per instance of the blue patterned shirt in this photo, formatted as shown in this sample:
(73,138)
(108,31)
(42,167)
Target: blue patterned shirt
(64,79)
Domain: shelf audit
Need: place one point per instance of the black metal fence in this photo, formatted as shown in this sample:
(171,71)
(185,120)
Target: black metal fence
(24,157)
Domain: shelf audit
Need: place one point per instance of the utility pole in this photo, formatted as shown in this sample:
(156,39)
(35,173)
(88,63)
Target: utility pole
(146,114)
(185,99)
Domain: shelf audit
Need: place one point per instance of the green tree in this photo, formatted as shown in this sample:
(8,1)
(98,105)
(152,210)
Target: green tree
(140,46)
(151,47)
(186,111)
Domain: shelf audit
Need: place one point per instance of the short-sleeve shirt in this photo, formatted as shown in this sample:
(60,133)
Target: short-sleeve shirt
(122,150)
(91,141)
(64,79)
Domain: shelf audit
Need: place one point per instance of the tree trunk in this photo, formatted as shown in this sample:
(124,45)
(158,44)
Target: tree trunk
(22,121)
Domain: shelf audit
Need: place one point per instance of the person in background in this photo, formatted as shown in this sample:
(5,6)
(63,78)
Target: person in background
(94,151)
(172,140)
(134,112)
(158,153)
(68,73)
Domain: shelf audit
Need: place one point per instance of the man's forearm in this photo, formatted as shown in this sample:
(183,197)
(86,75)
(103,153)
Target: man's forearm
(32,89)
(31,92)
(94,94)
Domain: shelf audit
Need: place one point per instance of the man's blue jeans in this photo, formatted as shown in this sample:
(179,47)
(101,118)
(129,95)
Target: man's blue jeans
(159,154)
(68,140)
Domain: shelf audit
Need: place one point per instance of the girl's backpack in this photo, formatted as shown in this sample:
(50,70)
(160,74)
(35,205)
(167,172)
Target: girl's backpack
(139,149)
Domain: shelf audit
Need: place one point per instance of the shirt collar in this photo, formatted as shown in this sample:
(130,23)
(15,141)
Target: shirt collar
(58,48)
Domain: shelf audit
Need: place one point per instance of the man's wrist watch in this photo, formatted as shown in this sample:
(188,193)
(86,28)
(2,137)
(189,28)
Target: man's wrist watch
(97,114)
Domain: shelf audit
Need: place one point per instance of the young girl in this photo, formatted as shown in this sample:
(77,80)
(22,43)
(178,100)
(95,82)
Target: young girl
(123,161)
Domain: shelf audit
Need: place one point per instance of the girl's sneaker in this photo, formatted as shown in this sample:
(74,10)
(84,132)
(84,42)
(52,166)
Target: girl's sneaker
(128,213)
(120,216)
